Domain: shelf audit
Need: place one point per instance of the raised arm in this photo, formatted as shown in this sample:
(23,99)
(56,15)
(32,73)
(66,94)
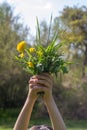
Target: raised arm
(25,114)
(55,116)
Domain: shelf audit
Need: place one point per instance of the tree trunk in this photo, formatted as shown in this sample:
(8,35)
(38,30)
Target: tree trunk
(84,62)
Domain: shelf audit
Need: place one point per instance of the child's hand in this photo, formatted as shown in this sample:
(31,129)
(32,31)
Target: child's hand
(41,83)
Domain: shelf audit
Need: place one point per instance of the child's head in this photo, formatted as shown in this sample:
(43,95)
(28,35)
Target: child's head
(40,127)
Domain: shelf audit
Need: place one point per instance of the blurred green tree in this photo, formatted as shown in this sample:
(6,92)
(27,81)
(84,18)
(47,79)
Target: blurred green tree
(12,30)
(72,24)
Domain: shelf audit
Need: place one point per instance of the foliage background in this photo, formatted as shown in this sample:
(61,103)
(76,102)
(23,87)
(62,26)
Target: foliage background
(69,90)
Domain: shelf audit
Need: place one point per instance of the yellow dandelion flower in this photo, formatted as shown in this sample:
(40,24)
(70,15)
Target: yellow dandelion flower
(21,55)
(30,64)
(40,53)
(21,46)
(32,50)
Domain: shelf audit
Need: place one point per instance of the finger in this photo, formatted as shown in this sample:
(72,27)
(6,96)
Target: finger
(41,82)
(37,89)
(42,76)
(31,85)
(33,80)
(44,83)
(34,76)
(45,78)
(48,75)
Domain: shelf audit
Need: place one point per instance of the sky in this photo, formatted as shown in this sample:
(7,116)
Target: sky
(29,9)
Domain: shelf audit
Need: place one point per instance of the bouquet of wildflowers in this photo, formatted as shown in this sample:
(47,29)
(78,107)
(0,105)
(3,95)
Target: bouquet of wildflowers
(40,59)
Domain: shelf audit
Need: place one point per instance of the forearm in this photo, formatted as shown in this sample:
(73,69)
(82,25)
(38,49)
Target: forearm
(24,116)
(55,116)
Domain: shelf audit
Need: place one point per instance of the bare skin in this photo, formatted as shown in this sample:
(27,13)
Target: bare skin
(40,83)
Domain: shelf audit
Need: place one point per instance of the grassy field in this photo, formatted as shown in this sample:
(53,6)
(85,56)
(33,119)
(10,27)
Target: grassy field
(8,118)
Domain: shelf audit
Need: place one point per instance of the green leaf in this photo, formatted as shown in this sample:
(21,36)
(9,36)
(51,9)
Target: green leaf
(49,29)
(38,32)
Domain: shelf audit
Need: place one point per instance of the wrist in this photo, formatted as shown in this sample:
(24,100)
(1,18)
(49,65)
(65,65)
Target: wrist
(48,99)
(31,99)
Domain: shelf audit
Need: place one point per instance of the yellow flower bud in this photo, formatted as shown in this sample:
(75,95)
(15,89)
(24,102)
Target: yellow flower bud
(21,55)
(30,64)
(21,46)
(32,50)
(40,53)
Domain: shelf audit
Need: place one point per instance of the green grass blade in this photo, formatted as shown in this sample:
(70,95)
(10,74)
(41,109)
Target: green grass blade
(49,29)
(38,32)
